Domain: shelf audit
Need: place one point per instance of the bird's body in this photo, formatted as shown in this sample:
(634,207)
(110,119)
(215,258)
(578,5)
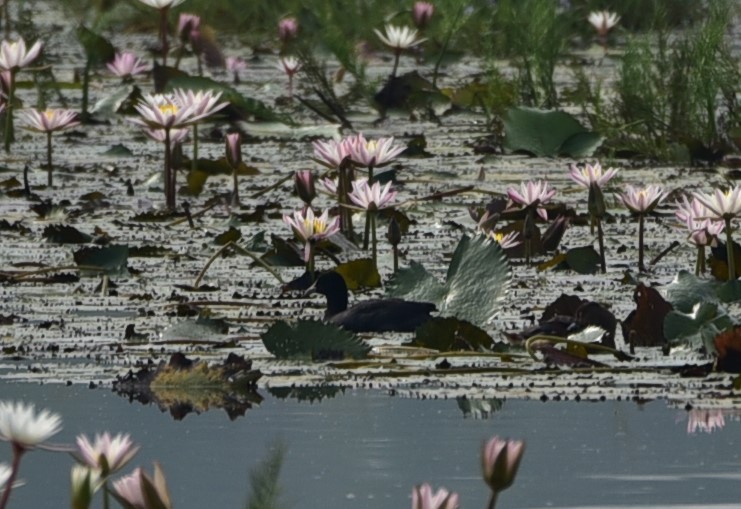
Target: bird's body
(377,315)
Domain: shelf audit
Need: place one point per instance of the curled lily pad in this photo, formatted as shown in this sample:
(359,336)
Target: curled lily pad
(548,133)
(477,281)
(448,334)
(110,260)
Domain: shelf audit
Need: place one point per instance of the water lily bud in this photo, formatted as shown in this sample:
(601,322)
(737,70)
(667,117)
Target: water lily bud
(287,29)
(304,181)
(187,24)
(421,13)
(500,460)
(234,149)
(596,201)
(394,232)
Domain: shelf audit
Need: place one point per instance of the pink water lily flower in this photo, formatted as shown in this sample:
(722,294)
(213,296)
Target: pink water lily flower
(14,55)
(287,29)
(49,120)
(642,200)
(126,65)
(162,111)
(304,183)
(106,453)
(399,38)
(505,241)
(204,102)
(331,153)
(140,491)
(310,228)
(533,194)
(290,65)
(424,498)
(500,460)
(371,197)
(695,216)
(422,13)
(591,174)
(722,205)
(187,24)
(176,135)
(374,153)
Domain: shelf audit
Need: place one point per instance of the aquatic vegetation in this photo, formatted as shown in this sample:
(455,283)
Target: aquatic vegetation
(398,39)
(164,7)
(127,65)
(139,490)
(48,122)
(422,14)
(703,231)
(500,460)
(290,65)
(641,201)
(107,453)
(14,56)
(372,198)
(724,206)
(532,195)
(311,229)
(423,497)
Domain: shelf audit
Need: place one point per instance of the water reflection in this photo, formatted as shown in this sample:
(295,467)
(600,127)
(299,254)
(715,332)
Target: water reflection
(709,420)
(479,408)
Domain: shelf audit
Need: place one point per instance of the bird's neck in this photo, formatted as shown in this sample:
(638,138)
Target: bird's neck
(336,304)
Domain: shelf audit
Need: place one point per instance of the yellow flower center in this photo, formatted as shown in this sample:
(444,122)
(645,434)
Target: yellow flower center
(498,237)
(49,114)
(169,108)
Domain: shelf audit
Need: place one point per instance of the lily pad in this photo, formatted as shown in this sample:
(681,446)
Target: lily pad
(98,49)
(109,259)
(699,327)
(449,334)
(359,273)
(312,340)
(548,133)
(477,281)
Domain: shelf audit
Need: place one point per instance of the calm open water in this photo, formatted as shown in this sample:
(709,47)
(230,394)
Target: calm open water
(367,449)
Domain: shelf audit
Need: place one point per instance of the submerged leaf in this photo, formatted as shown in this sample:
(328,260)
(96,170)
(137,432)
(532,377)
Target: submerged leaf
(312,340)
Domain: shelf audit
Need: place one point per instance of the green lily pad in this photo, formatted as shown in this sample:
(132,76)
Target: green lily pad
(699,327)
(477,281)
(359,273)
(449,334)
(687,290)
(548,133)
(109,259)
(312,340)
(65,234)
(584,260)
(98,49)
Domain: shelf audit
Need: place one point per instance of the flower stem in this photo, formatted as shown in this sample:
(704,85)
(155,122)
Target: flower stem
(641,268)
(169,181)
(193,162)
(396,258)
(310,259)
(17,453)
(49,166)
(235,192)
(492,500)
(9,112)
(601,239)
(106,496)
(373,232)
(366,236)
(730,252)
(700,265)
(163,34)
(397,53)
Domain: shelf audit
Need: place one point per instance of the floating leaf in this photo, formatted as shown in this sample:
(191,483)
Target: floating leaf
(231,235)
(584,260)
(699,327)
(687,290)
(202,329)
(118,150)
(65,234)
(312,340)
(411,92)
(449,334)
(548,133)
(644,326)
(283,253)
(107,107)
(359,273)
(110,259)
(477,281)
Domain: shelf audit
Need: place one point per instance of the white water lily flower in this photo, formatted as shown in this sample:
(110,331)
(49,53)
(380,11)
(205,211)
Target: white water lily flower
(533,193)
(591,174)
(371,197)
(374,153)
(722,205)
(424,498)
(641,200)
(603,21)
(21,425)
(162,4)
(126,65)
(399,38)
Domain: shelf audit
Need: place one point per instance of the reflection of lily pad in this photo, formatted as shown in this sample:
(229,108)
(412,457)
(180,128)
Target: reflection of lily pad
(202,329)
(548,133)
(477,280)
(307,393)
(313,340)
(183,386)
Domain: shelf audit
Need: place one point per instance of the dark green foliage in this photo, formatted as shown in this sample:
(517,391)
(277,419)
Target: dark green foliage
(312,340)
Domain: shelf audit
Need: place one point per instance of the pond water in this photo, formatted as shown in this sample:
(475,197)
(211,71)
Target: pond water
(366,449)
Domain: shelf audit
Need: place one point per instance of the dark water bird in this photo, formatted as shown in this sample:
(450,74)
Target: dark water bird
(377,315)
